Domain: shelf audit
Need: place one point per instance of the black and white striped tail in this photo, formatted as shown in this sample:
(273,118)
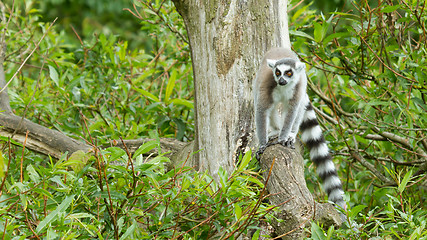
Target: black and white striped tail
(312,136)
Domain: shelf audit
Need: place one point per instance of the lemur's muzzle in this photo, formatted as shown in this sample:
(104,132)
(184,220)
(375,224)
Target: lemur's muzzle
(282,82)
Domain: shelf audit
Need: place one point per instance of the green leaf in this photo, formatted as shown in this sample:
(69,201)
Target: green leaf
(330,232)
(245,161)
(318,32)
(170,86)
(35,177)
(223,177)
(129,231)
(332,36)
(76,217)
(24,201)
(116,153)
(237,211)
(185,183)
(51,234)
(146,94)
(389,9)
(404,182)
(256,181)
(417,233)
(300,12)
(145,167)
(144,148)
(355,210)
(159,160)
(54,214)
(2,166)
(256,235)
(347,15)
(3,138)
(43,192)
(301,34)
(121,182)
(113,194)
(181,128)
(183,102)
(317,233)
(54,75)
(80,215)
(78,160)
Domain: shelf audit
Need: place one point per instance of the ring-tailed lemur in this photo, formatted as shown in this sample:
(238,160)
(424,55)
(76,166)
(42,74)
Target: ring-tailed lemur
(282,107)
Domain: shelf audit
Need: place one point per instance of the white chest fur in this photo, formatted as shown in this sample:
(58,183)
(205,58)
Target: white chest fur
(283,94)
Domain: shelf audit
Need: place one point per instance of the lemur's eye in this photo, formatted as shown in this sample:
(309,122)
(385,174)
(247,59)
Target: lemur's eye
(289,73)
(278,73)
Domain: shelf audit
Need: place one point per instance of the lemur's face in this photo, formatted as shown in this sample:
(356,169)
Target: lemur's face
(283,74)
(284,70)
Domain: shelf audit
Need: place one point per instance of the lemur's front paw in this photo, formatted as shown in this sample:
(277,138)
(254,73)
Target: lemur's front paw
(288,143)
(262,149)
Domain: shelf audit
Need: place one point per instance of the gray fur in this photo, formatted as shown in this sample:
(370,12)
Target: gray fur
(282,106)
(266,87)
(287,61)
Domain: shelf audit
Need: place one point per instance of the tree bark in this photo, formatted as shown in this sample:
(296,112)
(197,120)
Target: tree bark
(4,97)
(289,190)
(40,139)
(228,40)
(54,143)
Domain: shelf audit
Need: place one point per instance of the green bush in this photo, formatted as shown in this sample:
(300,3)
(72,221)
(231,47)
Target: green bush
(367,71)
(368,65)
(100,88)
(114,195)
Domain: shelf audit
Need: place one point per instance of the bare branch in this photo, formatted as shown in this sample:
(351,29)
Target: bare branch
(359,158)
(55,144)
(28,57)
(40,139)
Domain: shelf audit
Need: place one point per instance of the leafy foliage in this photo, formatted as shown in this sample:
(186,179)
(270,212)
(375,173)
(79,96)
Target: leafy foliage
(101,88)
(114,195)
(368,67)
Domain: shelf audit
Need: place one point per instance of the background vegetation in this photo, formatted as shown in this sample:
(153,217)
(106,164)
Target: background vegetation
(103,72)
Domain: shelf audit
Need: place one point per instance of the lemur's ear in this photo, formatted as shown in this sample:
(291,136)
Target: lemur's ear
(299,66)
(271,63)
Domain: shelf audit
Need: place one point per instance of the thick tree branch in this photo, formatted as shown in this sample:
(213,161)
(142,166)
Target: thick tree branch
(287,184)
(54,143)
(41,139)
(178,152)
(167,145)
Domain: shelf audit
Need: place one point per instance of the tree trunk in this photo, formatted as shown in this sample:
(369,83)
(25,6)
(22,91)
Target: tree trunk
(289,190)
(228,40)
(4,97)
